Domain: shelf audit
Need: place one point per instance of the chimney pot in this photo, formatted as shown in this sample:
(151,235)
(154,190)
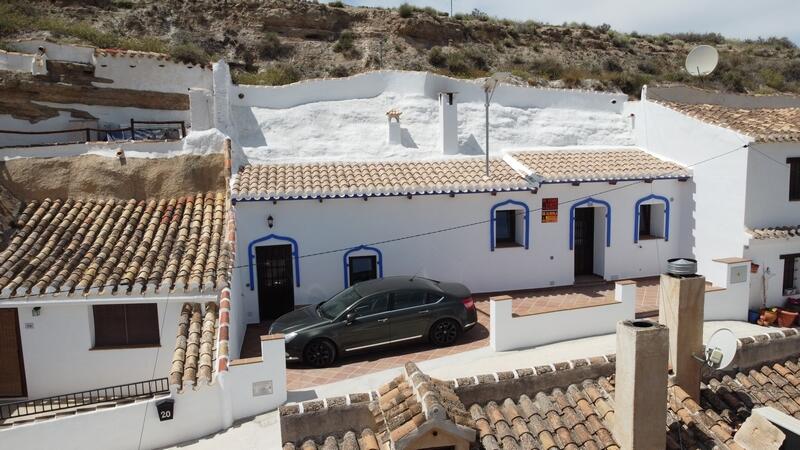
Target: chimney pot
(448,123)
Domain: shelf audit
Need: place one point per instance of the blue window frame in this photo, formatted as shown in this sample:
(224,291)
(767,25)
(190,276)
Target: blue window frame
(589,202)
(505,227)
(360,248)
(251,258)
(637,212)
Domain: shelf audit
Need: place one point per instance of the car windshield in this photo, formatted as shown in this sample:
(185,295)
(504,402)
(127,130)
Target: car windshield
(339,303)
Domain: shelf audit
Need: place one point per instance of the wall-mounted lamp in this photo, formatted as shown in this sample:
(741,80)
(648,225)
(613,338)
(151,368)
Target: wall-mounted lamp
(270,221)
(36,311)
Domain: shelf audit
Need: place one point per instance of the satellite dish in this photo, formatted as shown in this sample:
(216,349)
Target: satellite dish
(721,349)
(702,60)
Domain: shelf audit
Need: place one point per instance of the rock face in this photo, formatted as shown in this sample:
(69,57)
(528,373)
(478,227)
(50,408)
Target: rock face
(91,175)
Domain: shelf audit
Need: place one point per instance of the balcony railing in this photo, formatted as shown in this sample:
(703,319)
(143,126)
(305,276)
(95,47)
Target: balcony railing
(132,132)
(84,398)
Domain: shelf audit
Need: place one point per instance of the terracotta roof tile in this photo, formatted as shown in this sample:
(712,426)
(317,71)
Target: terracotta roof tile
(314,180)
(597,165)
(194,355)
(781,232)
(109,246)
(762,124)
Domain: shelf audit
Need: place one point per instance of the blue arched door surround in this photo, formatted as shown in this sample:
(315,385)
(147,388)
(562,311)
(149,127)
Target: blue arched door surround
(492,220)
(589,201)
(637,213)
(346,263)
(251,256)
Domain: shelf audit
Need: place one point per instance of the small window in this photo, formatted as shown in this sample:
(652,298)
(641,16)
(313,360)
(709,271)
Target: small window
(374,305)
(363,268)
(652,219)
(125,325)
(407,299)
(508,233)
(794,178)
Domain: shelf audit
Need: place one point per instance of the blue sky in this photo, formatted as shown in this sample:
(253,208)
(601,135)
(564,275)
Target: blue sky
(733,18)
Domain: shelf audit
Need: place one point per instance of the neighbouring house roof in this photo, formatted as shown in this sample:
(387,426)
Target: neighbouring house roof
(604,165)
(109,246)
(569,414)
(762,124)
(784,232)
(194,354)
(520,170)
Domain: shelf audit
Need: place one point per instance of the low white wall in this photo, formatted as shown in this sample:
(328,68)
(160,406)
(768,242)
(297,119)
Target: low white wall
(508,332)
(132,149)
(371,84)
(15,62)
(137,425)
(57,52)
(148,73)
(767,254)
(730,300)
(256,385)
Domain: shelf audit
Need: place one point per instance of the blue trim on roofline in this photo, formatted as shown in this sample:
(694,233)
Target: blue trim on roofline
(345,197)
(360,248)
(636,215)
(527,221)
(295,255)
(589,201)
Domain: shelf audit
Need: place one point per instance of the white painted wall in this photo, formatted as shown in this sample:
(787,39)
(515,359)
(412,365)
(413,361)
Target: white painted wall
(716,226)
(56,52)
(140,72)
(508,332)
(460,255)
(733,301)
(239,382)
(58,354)
(15,62)
(768,202)
(766,253)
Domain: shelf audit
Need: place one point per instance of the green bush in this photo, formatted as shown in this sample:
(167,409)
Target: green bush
(275,75)
(339,71)
(345,42)
(405,10)
(791,72)
(270,47)
(649,67)
(612,65)
(436,57)
(189,53)
(619,40)
(336,4)
(549,68)
(457,63)
(630,83)
(773,78)
(122,4)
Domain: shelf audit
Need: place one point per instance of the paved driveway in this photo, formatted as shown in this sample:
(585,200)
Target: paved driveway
(525,302)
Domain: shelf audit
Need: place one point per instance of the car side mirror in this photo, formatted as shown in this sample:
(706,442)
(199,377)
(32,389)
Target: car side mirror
(350,318)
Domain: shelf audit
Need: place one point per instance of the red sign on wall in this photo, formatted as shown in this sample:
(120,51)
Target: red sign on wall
(549,210)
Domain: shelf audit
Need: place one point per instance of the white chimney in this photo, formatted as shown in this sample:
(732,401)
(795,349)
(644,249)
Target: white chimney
(641,385)
(393,116)
(448,123)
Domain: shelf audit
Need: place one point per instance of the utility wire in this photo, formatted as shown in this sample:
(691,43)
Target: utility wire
(448,229)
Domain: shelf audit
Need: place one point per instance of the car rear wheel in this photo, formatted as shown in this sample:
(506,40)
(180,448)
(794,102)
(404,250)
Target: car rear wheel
(319,353)
(445,332)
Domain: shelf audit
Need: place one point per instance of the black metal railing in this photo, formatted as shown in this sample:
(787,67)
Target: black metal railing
(103,133)
(84,398)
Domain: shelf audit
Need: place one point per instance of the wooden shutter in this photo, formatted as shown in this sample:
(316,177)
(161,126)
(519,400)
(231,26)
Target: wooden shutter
(109,325)
(142,322)
(788,271)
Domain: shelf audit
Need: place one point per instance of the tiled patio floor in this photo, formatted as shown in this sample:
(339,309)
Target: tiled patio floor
(525,302)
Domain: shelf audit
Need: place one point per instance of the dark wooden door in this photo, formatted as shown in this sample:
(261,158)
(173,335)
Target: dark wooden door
(584,241)
(12,372)
(275,281)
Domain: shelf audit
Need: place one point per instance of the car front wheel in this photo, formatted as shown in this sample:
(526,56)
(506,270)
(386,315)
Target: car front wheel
(319,353)
(445,332)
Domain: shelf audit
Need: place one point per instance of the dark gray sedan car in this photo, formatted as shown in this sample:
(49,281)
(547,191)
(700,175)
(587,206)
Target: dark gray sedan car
(377,313)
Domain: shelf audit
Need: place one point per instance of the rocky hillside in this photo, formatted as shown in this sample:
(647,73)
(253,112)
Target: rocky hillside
(281,41)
